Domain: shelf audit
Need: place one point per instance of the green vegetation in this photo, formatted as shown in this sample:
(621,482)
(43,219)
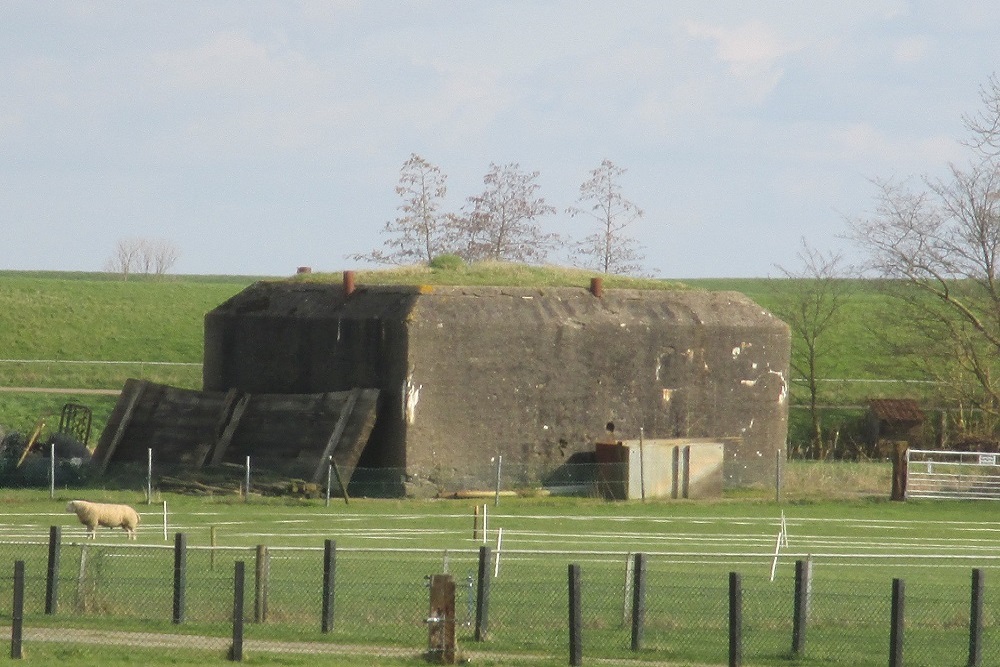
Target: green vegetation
(385,548)
(445,271)
(92,318)
(50,322)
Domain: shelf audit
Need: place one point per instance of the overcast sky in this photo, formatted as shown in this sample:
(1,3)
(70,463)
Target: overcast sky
(262,136)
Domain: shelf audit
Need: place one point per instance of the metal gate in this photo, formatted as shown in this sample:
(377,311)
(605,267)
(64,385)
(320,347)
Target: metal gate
(964,475)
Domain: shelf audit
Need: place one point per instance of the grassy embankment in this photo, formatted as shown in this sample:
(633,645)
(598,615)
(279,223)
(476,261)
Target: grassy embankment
(71,317)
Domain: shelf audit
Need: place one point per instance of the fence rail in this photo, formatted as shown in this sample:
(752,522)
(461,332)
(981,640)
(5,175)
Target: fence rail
(192,364)
(956,475)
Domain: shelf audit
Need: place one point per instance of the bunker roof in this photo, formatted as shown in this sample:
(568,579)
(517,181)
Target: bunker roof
(325,300)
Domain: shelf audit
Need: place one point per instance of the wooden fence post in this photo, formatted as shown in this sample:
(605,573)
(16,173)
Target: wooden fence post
(638,600)
(896,627)
(329,583)
(261,572)
(17,615)
(800,614)
(483,594)
(976,620)
(735,620)
(180,576)
(52,572)
(236,650)
(899,470)
(575,618)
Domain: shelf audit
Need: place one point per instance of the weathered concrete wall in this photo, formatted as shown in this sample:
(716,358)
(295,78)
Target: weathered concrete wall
(663,468)
(533,375)
(303,338)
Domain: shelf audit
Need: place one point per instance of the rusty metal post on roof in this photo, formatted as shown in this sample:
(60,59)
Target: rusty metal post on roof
(348,283)
(597,287)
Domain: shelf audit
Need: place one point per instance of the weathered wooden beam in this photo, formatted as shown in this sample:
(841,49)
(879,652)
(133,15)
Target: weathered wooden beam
(222,444)
(338,432)
(133,389)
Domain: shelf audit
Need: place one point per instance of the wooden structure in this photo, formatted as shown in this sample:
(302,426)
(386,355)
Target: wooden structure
(441,620)
(292,434)
(892,419)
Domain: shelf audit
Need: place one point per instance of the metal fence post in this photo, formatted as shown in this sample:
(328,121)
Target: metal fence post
(329,583)
(735,620)
(896,627)
(976,619)
(52,572)
(800,614)
(483,594)
(180,576)
(236,651)
(52,471)
(575,618)
(638,600)
(17,615)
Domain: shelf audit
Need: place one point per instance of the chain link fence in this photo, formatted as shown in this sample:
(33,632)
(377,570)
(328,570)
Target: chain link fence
(325,600)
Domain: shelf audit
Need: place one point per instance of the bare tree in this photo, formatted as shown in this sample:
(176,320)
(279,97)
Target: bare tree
(608,249)
(139,255)
(941,240)
(163,255)
(125,258)
(984,126)
(501,223)
(421,232)
(811,308)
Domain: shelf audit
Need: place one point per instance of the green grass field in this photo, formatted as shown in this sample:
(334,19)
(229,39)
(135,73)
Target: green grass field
(386,548)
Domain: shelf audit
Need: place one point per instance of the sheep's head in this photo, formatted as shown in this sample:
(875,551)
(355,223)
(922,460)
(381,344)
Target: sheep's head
(71,506)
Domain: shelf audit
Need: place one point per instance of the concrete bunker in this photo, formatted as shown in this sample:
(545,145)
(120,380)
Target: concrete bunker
(465,374)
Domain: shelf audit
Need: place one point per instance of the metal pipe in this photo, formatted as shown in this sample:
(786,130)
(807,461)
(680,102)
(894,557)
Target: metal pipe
(597,287)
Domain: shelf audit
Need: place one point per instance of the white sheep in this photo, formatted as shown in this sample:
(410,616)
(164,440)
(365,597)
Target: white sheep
(93,515)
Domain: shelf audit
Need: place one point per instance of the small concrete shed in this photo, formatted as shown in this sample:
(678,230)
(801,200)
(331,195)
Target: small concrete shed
(531,374)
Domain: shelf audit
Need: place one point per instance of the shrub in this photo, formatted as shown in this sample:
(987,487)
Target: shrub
(447,263)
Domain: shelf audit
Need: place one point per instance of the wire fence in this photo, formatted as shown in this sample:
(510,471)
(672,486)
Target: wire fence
(324,600)
(111,374)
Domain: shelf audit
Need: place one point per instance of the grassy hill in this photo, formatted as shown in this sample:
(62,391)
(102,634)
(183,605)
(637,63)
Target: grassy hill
(152,328)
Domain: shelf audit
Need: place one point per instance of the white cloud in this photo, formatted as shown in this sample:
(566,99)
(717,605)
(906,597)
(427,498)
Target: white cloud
(752,51)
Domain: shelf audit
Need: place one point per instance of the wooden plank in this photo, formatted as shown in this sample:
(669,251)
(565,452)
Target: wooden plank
(132,392)
(338,431)
(222,444)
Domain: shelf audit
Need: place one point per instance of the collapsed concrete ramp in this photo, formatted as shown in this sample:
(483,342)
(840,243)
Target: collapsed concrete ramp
(290,434)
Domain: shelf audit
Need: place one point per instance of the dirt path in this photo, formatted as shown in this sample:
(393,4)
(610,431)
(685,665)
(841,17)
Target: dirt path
(168,640)
(57,390)
(222,644)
